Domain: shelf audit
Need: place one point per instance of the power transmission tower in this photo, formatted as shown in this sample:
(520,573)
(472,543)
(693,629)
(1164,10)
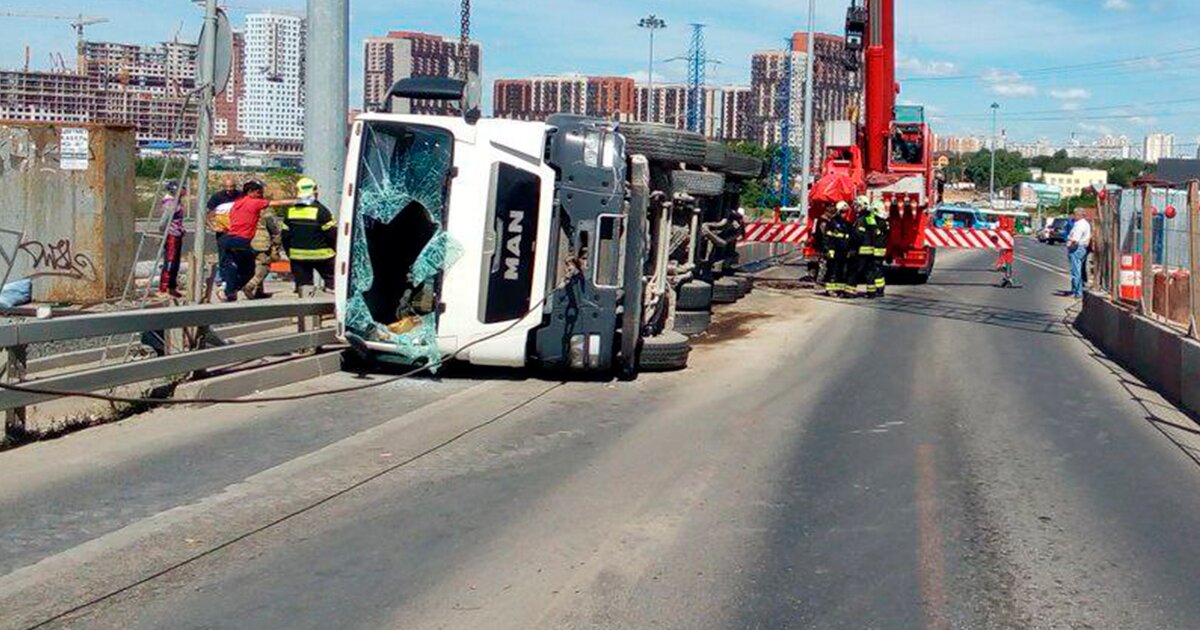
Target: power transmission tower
(697,69)
(781,162)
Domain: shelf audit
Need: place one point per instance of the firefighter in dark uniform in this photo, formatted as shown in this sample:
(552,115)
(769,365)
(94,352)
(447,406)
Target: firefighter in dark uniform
(837,247)
(309,237)
(882,232)
(817,243)
(862,250)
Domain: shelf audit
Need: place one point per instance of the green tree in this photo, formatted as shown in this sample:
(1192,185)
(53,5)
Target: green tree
(152,167)
(754,191)
(1011,169)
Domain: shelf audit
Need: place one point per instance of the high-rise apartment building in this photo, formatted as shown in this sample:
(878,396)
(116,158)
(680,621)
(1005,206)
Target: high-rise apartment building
(777,91)
(734,112)
(226,128)
(536,98)
(271,111)
(143,86)
(404,54)
(1158,146)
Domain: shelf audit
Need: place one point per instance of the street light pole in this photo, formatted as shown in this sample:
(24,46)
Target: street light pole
(807,141)
(206,72)
(651,23)
(991,187)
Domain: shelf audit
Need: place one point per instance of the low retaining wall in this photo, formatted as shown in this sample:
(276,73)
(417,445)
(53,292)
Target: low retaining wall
(1160,356)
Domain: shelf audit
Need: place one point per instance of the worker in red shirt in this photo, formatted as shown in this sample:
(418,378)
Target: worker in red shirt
(237,254)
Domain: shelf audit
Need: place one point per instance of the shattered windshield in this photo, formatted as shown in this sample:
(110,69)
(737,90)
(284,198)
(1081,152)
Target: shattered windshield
(399,245)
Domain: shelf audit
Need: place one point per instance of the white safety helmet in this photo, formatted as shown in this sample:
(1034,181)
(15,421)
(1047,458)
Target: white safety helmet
(842,206)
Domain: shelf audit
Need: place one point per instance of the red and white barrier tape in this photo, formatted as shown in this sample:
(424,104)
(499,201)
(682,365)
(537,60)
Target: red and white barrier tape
(772,232)
(944,238)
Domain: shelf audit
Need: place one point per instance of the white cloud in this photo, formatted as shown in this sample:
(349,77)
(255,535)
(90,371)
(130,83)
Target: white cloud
(1103,130)
(1117,5)
(1071,94)
(1144,121)
(1005,83)
(925,68)
(1013,89)
(1070,106)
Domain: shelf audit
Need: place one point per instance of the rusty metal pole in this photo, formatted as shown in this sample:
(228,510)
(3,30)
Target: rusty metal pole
(1193,254)
(1147,302)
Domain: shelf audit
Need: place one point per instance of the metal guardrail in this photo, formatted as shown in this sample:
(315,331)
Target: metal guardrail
(15,337)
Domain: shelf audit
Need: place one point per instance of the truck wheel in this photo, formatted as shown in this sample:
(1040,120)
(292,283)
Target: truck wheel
(696,295)
(715,155)
(692,322)
(745,285)
(661,143)
(665,352)
(698,183)
(726,291)
(743,165)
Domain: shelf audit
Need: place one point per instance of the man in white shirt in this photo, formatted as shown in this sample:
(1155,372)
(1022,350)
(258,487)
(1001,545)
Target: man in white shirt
(1077,250)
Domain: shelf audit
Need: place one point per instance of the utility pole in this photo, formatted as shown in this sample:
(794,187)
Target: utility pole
(806,141)
(697,77)
(651,23)
(326,84)
(992,185)
(207,72)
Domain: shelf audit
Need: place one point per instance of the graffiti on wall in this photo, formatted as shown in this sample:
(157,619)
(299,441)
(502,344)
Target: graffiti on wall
(56,258)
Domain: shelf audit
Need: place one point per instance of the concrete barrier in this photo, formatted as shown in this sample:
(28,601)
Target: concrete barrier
(1162,357)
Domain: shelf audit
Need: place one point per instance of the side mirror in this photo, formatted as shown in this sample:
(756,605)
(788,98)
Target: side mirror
(467,93)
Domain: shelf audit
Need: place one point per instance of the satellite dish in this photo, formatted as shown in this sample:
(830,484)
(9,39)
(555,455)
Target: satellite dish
(224,54)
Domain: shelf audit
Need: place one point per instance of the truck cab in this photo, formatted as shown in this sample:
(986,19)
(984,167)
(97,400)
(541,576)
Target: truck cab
(508,243)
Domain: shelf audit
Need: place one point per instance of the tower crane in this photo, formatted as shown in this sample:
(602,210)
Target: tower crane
(78,22)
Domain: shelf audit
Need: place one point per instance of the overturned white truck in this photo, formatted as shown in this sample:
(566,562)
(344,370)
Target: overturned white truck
(575,244)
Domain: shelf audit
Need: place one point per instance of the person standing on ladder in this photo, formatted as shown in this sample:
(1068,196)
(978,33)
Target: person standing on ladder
(309,238)
(170,225)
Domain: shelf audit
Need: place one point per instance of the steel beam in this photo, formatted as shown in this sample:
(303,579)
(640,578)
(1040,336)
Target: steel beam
(122,322)
(170,365)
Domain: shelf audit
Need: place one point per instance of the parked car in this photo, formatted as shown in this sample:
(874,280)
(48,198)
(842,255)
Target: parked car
(1056,232)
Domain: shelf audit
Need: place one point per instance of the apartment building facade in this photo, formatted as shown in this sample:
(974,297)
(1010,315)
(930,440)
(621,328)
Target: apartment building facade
(404,54)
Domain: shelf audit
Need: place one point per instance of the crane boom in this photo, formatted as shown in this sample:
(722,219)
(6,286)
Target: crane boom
(880,81)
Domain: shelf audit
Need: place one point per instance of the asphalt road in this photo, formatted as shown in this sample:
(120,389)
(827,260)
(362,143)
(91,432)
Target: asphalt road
(952,456)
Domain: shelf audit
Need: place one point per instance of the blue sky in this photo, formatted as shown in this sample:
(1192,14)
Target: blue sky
(961,55)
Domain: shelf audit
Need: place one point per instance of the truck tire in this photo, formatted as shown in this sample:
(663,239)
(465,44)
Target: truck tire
(715,155)
(745,284)
(726,291)
(665,352)
(745,166)
(695,295)
(660,143)
(692,322)
(698,183)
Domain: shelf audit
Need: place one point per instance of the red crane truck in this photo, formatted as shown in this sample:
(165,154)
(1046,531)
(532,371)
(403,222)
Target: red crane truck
(888,157)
